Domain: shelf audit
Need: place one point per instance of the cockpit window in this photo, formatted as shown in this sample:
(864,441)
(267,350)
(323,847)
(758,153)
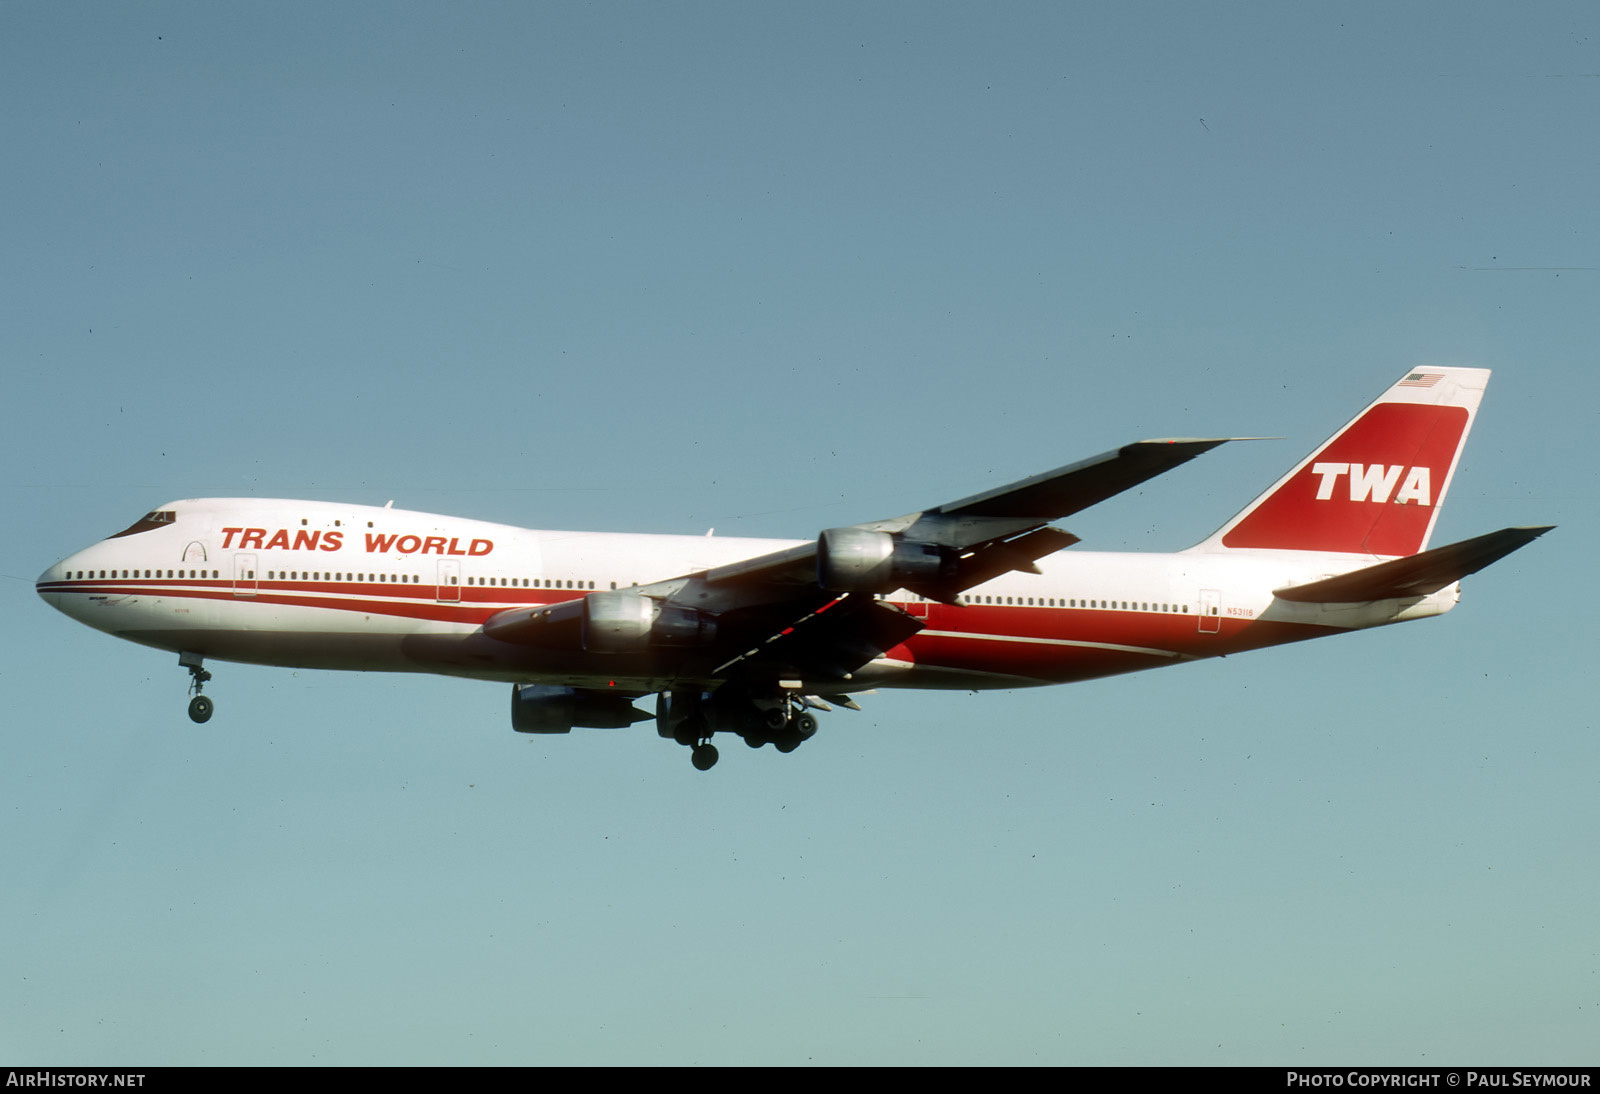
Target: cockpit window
(158,519)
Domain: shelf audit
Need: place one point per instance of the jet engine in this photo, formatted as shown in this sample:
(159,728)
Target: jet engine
(542,708)
(856,560)
(619,620)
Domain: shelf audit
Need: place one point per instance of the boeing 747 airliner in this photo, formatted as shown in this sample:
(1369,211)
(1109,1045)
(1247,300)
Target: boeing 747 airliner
(750,637)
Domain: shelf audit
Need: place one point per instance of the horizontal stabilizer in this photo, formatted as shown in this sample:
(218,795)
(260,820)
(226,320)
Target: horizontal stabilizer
(1416,575)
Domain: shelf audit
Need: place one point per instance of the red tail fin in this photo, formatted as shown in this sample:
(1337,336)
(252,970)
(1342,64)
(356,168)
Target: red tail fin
(1374,487)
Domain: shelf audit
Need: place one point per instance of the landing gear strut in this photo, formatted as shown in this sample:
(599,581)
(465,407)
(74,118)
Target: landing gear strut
(681,717)
(783,720)
(801,727)
(200,707)
(786,726)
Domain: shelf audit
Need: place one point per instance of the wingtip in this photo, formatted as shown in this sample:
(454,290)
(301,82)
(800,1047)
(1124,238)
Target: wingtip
(1209,442)
(1186,440)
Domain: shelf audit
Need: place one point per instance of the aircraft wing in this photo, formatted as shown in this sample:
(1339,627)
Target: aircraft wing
(1066,490)
(812,611)
(992,532)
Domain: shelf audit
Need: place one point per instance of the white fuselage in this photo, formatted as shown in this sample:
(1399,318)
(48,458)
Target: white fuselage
(324,585)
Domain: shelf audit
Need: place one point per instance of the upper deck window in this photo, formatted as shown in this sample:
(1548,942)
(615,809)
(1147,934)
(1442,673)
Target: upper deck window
(159,519)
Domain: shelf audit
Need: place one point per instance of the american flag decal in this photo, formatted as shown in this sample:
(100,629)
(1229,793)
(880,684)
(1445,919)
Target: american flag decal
(1421,379)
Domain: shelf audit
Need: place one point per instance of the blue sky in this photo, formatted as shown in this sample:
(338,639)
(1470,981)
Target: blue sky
(771,268)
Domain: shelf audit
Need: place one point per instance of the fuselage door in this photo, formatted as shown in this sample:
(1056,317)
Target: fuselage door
(244,575)
(1210,611)
(449,580)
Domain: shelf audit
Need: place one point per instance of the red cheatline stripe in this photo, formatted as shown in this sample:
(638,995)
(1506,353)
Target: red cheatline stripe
(985,623)
(420,604)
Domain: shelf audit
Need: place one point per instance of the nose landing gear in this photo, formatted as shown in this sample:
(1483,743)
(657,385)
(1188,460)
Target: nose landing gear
(200,707)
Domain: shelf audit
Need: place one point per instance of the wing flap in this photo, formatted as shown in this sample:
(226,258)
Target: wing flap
(991,560)
(833,641)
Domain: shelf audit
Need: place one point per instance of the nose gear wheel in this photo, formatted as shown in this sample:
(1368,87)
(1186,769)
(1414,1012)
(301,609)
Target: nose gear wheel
(200,707)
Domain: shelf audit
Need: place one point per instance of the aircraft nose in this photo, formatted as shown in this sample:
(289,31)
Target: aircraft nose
(65,588)
(53,583)
(49,579)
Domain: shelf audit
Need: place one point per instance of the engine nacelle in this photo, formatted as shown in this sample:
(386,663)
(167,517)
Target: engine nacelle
(855,560)
(542,708)
(620,620)
(677,626)
(617,620)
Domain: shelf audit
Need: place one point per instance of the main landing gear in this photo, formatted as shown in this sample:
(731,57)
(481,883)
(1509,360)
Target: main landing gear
(783,720)
(703,756)
(200,707)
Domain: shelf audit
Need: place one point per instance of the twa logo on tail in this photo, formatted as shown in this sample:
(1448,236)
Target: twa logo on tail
(1374,488)
(1376,482)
